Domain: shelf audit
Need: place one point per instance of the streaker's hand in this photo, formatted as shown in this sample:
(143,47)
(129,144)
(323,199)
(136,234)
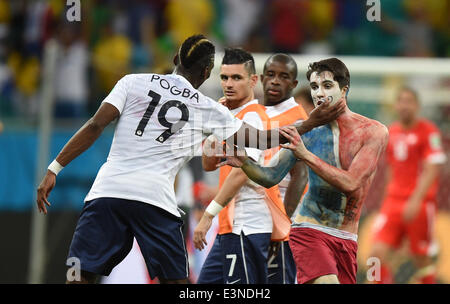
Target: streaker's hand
(44,189)
(325,113)
(235,157)
(295,141)
(201,230)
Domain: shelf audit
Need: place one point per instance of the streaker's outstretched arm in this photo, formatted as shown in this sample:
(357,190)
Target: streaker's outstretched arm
(266,176)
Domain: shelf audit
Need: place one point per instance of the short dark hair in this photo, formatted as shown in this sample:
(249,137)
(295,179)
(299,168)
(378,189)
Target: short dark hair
(240,56)
(285,59)
(333,65)
(410,90)
(196,52)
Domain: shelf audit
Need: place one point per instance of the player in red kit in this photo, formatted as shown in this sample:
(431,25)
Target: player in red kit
(414,156)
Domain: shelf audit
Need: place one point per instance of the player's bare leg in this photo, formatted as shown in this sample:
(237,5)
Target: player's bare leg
(326,279)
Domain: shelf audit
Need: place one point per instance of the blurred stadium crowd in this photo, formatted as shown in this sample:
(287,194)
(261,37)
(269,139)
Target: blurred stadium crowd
(117,37)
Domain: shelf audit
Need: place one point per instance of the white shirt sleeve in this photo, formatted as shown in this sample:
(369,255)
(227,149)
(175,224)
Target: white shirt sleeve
(253,119)
(118,95)
(220,122)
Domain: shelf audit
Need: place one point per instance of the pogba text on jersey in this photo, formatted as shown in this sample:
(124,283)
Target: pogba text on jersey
(166,85)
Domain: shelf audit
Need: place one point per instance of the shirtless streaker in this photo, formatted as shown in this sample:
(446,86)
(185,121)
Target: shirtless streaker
(342,158)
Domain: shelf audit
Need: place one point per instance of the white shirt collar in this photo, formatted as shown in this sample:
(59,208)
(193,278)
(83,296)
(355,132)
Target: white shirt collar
(237,110)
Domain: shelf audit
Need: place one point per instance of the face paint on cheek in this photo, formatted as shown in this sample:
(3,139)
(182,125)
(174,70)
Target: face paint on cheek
(331,95)
(334,94)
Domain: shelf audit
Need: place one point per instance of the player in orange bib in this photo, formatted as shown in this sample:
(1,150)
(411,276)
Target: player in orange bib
(252,215)
(414,156)
(279,79)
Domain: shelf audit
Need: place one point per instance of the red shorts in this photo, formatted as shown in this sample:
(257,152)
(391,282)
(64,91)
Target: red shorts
(317,253)
(390,228)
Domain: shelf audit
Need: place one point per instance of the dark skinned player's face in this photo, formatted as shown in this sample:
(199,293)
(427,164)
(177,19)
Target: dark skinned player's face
(278,83)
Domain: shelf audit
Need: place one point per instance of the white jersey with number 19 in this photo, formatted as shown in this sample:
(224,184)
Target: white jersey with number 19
(163,121)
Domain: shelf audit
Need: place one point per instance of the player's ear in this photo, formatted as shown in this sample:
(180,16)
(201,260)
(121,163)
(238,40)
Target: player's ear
(208,70)
(207,73)
(345,90)
(254,79)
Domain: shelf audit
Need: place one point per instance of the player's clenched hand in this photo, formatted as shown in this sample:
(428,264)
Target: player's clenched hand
(295,141)
(223,101)
(201,230)
(234,157)
(43,191)
(325,113)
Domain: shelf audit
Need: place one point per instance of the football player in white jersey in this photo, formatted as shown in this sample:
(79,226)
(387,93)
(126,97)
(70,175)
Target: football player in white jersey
(162,120)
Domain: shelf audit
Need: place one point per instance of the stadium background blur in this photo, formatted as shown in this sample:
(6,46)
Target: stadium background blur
(115,38)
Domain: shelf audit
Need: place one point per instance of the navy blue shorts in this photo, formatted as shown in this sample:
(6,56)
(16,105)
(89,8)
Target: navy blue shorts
(281,268)
(237,259)
(104,236)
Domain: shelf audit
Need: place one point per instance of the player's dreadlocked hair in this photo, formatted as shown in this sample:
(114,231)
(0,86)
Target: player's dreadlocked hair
(333,65)
(240,56)
(196,52)
(285,59)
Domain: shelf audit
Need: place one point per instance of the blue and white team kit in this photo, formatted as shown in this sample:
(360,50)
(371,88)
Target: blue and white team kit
(163,121)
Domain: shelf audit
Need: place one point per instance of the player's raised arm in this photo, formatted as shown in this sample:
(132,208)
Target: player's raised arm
(263,139)
(79,143)
(362,166)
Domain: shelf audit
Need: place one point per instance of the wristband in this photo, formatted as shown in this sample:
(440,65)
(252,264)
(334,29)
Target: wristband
(55,167)
(214,208)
